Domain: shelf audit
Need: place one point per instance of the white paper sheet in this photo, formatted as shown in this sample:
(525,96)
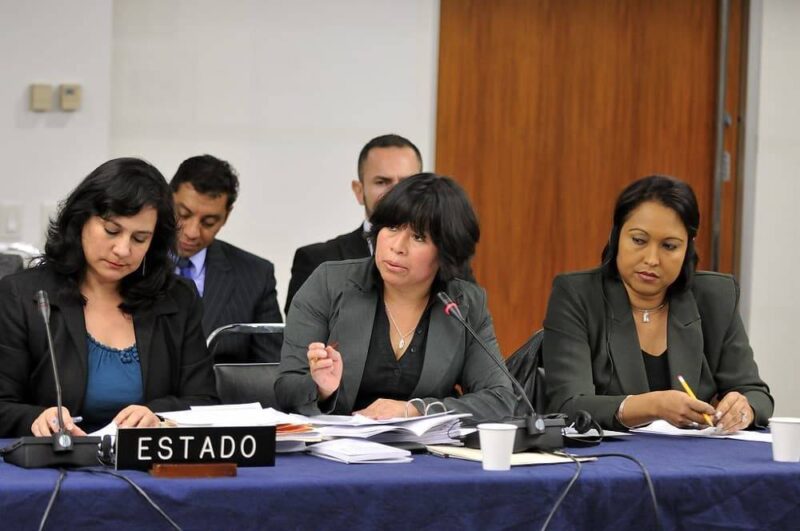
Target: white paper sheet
(352,451)
(662,427)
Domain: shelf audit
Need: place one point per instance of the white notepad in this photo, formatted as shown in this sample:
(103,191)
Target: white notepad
(354,451)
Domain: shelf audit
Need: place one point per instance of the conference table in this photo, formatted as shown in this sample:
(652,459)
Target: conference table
(700,484)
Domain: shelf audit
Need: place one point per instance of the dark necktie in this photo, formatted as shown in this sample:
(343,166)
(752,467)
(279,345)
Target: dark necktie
(185,267)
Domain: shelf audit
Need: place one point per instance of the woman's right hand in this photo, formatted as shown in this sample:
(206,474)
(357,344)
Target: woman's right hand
(47,423)
(325,364)
(676,407)
(681,410)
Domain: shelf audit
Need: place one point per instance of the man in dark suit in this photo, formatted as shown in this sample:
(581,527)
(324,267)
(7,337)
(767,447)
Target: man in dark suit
(236,286)
(382,163)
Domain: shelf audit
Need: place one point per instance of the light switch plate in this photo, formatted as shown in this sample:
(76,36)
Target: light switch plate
(70,96)
(10,222)
(41,97)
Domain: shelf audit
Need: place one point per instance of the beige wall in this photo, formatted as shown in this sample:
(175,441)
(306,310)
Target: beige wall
(771,239)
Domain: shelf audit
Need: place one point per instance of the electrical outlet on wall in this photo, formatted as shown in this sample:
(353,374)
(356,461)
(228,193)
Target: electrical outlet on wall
(10,222)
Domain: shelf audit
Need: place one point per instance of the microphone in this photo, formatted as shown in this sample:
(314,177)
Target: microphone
(533,431)
(62,440)
(61,449)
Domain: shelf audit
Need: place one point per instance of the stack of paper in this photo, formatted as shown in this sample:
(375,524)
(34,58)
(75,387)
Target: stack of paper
(359,451)
(292,432)
(440,428)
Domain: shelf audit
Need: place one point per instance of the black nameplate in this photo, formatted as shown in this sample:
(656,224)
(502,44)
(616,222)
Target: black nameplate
(141,448)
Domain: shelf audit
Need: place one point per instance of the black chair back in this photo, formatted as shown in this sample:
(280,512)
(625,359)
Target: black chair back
(10,263)
(244,383)
(525,364)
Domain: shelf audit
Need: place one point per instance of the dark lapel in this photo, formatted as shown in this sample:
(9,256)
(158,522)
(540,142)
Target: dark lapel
(144,323)
(354,245)
(684,340)
(445,338)
(72,312)
(353,329)
(624,349)
(218,285)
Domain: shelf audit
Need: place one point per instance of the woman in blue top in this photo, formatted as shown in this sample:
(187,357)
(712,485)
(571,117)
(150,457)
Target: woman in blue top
(126,331)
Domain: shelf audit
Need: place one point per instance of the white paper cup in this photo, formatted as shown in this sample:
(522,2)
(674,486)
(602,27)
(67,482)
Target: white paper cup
(785,439)
(497,442)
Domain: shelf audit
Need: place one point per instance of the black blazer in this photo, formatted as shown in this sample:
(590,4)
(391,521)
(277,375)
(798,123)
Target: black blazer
(338,304)
(176,369)
(240,288)
(593,359)
(308,258)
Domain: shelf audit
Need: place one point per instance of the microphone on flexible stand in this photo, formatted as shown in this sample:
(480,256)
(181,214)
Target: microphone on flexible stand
(62,440)
(533,431)
(61,449)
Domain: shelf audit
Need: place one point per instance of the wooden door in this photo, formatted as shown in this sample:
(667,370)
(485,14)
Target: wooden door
(548,108)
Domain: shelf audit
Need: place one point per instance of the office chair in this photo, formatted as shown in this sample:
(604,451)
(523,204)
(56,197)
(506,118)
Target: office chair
(10,263)
(525,364)
(243,383)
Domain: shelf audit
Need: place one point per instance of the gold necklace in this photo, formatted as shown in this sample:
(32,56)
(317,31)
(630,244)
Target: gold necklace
(402,343)
(647,311)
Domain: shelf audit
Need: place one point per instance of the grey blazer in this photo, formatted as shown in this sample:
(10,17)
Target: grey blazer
(592,356)
(338,302)
(308,258)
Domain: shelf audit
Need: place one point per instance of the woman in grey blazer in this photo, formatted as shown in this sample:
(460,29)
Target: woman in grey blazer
(368,335)
(126,332)
(617,338)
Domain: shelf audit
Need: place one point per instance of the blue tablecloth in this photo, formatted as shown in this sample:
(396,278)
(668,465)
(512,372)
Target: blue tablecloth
(700,484)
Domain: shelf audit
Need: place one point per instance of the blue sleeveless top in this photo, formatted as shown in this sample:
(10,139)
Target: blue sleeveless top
(114,382)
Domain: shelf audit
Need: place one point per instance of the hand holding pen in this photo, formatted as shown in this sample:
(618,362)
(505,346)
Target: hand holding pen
(689,392)
(47,423)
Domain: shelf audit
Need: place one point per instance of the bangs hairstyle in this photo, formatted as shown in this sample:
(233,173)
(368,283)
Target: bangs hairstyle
(119,187)
(437,206)
(671,193)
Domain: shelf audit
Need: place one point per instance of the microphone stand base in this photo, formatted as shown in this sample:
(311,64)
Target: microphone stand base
(37,452)
(549,439)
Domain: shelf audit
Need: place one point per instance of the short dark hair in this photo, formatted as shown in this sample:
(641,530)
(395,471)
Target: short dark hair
(208,175)
(673,194)
(385,141)
(435,205)
(119,187)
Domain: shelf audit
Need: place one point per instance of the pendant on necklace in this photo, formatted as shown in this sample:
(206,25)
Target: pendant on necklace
(646,317)
(401,344)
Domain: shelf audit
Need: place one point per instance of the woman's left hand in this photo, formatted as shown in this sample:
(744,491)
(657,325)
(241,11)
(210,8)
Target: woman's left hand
(384,408)
(734,413)
(136,417)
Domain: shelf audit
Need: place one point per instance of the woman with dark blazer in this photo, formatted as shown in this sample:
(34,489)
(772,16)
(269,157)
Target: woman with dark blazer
(617,338)
(126,332)
(368,335)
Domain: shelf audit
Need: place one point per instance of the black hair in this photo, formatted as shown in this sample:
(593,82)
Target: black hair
(673,194)
(385,141)
(435,205)
(208,175)
(119,187)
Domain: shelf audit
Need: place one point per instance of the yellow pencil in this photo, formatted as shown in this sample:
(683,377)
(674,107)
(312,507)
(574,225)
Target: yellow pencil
(691,393)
